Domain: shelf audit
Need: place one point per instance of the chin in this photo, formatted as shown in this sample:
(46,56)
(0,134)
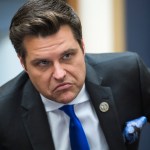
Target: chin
(67,99)
(64,96)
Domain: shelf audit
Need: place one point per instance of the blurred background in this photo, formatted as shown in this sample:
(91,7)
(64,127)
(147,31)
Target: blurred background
(108,26)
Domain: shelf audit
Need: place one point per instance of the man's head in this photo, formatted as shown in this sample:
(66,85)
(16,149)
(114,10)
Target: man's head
(47,37)
(42,17)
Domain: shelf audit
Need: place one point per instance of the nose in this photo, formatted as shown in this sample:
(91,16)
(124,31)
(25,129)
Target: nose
(59,72)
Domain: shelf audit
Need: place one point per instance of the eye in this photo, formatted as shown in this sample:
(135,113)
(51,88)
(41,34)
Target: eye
(67,56)
(43,63)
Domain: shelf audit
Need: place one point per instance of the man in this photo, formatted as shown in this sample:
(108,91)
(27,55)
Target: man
(107,90)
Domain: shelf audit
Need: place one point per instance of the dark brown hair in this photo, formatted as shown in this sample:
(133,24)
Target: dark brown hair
(42,17)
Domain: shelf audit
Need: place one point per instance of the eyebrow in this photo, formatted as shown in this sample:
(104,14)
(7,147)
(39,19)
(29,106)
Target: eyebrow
(46,58)
(69,50)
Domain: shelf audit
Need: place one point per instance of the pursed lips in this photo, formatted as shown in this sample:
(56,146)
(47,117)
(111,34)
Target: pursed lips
(62,86)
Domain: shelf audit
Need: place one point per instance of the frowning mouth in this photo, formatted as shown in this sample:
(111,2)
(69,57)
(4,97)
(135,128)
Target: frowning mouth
(63,86)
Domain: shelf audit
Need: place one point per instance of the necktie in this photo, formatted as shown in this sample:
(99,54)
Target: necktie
(77,136)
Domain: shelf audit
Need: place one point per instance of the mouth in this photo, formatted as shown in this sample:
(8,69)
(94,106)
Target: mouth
(61,87)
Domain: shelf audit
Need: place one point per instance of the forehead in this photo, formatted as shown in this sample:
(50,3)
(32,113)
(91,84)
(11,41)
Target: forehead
(64,32)
(59,41)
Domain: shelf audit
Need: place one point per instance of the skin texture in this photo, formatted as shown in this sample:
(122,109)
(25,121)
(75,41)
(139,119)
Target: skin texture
(55,65)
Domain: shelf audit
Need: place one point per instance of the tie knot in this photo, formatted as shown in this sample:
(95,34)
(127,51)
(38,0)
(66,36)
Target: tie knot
(69,110)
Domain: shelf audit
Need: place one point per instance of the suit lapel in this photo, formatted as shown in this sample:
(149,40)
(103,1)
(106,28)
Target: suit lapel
(35,119)
(108,120)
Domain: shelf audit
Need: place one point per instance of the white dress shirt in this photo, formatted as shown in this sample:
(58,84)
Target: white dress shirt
(59,122)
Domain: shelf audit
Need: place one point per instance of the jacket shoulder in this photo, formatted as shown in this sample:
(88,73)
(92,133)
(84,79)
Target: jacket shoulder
(96,58)
(14,85)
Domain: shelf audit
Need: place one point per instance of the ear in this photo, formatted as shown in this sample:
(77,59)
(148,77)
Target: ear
(22,62)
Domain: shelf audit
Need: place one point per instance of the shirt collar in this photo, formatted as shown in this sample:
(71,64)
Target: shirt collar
(52,105)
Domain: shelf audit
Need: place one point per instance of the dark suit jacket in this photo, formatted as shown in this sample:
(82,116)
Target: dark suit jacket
(144,141)
(121,80)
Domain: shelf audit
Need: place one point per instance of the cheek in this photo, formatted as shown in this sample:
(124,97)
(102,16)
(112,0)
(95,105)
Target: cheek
(39,79)
(79,71)
(41,83)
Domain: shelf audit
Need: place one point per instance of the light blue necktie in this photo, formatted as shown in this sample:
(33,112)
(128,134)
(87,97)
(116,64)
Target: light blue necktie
(77,136)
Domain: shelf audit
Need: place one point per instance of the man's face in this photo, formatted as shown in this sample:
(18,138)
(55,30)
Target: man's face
(55,65)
